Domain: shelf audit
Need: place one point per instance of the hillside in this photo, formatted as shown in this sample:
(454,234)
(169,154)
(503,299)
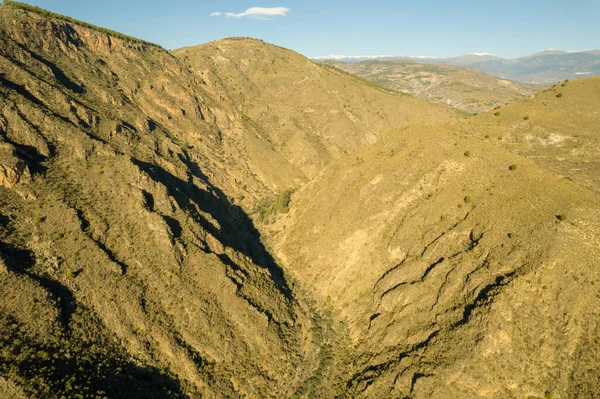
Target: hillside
(557,129)
(310,114)
(127,269)
(453,273)
(463,88)
(234,220)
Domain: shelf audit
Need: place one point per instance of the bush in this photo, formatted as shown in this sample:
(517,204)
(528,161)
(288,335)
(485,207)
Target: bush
(467,153)
(267,208)
(497,113)
(562,217)
(499,137)
(513,167)
(526,118)
(510,235)
(487,136)
(559,95)
(468,199)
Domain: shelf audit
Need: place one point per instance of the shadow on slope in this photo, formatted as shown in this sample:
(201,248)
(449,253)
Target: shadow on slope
(20,261)
(236,229)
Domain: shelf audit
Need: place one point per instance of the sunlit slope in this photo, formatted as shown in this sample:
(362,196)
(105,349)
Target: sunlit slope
(310,114)
(558,128)
(453,272)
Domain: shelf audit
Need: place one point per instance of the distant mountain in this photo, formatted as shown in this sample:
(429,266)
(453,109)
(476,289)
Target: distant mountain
(545,67)
(463,88)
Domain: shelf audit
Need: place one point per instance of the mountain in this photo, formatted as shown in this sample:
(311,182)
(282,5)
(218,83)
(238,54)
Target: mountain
(546,67)
(309,113)
(466,58)
(464,88)
(234,220)
(130,262)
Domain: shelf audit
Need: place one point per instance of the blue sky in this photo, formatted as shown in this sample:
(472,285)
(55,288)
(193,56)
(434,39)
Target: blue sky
(508,28)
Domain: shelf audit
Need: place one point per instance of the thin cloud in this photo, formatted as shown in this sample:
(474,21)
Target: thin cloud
(256,12)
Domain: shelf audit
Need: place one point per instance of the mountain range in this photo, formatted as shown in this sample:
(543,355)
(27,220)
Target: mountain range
(546,67)
(464,88)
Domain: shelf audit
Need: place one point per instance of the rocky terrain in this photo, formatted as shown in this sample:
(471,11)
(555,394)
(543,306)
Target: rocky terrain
(463,88)
(234,220)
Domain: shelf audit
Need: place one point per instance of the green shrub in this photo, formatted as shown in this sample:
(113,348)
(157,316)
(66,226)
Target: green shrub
(71,273)
(499,137)
(58,236)
(559,95)
(268,208)
(513,166)
(526,118)
(547,395)
(467,153)
(497,113)
(40,219)
(562,217)
(460,205)
(487,136)
(510,235)
(468,199)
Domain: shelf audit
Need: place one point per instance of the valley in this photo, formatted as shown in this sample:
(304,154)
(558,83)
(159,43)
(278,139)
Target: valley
(235,220)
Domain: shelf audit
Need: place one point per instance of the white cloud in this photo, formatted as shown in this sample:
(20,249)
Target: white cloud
(259,13)
(216,14)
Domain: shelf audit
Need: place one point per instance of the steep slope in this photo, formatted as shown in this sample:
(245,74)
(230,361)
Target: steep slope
(454,274)
(463,88)
(557,128)
(127,271)
(309,114)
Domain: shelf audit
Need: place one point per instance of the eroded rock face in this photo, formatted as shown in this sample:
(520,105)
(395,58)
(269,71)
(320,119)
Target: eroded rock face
(13,170)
